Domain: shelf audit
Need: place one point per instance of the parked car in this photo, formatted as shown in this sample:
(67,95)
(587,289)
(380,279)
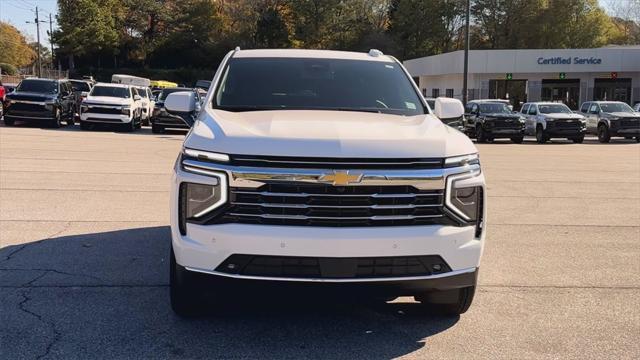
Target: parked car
(324,168)
(203,84)
(81,89)
(162,120)
(546,120)
(111,104)
(41,100)
(147,103)
(2,95)
(488,120)
(610,119)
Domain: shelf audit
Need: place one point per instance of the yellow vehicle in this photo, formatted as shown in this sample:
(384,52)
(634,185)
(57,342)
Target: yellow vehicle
(161,84)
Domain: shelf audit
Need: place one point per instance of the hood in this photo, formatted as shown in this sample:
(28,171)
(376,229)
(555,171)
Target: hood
(30,96)
(107,100)
(311,133)
(564,116)
(622,114)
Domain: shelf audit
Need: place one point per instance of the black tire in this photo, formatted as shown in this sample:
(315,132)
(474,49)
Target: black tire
(541,137)
(461,301)
(85,125)
(71,119)
(518,140)
(9,122)
(56,123)
(186,296)
(578,140)
(603,134)
(481,136)
(157,129)
(130,126)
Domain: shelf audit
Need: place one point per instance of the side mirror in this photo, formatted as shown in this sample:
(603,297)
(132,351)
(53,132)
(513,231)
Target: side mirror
(448,108)
(180,102)
(84,94)
(137,97)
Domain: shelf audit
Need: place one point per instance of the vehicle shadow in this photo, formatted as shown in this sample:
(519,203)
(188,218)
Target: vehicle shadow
(106,295)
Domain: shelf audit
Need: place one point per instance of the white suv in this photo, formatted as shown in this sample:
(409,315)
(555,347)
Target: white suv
(113,104)
(324,168)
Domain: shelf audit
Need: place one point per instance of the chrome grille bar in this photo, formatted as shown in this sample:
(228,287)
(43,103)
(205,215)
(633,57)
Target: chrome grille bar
(305,217)
(305,206)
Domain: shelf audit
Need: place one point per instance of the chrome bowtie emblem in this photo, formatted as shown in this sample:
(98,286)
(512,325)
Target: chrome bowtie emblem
(341,178)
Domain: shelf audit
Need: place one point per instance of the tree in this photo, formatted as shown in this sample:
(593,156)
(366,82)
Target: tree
(271,29)
(14,48)
(86,27)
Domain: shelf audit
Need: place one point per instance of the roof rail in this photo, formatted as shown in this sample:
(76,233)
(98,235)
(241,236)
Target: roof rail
(237,48)
(375,52)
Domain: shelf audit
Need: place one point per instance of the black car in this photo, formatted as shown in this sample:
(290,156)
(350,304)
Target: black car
(161,119)
(41,100)
(486,121)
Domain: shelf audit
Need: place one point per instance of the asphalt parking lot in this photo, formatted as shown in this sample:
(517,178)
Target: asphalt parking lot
(84,243)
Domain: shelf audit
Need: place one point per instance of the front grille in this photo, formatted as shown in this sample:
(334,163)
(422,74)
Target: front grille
(565,124)
(333,268)
(327,205)
(505,123)
(630,122)
(18,106)
(102,110)
(336,163)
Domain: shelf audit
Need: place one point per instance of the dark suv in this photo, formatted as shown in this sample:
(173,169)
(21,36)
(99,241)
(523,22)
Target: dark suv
(486,120)
(41,100)
(161,119)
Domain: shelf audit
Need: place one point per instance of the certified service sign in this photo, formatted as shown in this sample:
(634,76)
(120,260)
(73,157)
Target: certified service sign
(569,60)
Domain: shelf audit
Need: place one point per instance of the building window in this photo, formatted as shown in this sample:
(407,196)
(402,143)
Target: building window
(449,93)
(435,93)
(424,92)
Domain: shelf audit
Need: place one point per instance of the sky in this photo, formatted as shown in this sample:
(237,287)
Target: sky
(18,12)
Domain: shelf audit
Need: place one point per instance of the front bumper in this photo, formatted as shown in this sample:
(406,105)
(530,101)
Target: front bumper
(504,133)
(105,118)
(205,247)
(625,132)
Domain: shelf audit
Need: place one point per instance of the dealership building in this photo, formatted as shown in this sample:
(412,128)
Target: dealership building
(571,76)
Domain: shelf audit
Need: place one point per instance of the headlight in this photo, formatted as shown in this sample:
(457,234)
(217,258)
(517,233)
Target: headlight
(462,160)
(125,110)
(521,120)
(205,155)
(614,118)
(464,195)
(198,199)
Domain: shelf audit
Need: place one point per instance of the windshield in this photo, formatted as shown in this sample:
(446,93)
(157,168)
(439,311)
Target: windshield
(143,93)
(553,109)
(38,86)
(80,86)
(615,107)
(164,93)
(111,91)
(321,84)
(493,108)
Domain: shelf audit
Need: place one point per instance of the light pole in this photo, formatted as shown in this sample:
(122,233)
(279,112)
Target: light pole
(37,21)
(465,95)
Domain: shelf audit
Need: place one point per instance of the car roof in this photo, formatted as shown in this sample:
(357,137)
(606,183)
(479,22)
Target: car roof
(545,103)
(312,54)
(113,85)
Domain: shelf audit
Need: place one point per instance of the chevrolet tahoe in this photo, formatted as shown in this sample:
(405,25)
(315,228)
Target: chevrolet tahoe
(324,169)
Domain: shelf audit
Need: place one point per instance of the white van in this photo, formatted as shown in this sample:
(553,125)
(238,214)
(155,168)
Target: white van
(130,80)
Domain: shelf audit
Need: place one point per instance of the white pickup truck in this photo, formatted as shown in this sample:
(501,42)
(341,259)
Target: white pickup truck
(111,104)
(325,169)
